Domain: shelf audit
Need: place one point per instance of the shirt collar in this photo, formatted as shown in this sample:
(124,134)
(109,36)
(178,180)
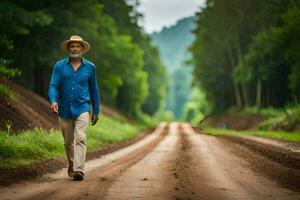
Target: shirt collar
(83,61)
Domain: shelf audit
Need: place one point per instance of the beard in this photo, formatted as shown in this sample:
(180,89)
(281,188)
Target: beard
(75,55)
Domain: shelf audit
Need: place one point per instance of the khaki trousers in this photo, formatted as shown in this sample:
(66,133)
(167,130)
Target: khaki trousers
(74,134)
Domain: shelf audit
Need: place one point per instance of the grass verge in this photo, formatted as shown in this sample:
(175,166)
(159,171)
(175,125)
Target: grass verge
(36,145)
(286,136)
(286,118)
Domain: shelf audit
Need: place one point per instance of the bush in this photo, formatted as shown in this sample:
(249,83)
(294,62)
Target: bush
(288,120)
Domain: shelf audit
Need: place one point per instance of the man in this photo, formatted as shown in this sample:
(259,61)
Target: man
(73,89)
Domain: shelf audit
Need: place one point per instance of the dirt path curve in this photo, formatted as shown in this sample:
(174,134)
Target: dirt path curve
(173,163)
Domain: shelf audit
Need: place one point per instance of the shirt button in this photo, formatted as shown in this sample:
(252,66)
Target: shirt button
(72,88)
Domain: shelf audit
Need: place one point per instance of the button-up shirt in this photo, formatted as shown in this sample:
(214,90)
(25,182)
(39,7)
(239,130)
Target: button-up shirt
(74,91)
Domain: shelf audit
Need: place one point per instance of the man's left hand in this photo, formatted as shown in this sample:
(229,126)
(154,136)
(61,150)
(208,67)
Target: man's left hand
(94,119)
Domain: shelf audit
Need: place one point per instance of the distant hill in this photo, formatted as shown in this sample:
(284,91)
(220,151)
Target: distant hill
(173,43)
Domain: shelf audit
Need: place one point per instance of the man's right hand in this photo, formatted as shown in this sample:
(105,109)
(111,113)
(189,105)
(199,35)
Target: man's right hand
(54,107)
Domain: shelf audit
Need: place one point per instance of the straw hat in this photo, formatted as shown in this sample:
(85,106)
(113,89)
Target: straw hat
(75,38)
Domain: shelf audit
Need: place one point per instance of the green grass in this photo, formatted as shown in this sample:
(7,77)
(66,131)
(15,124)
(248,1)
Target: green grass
(110,131)
(30,146)
(289,120)
(286,118)
(36,145)
(270,111)
(287,136)
(6,91)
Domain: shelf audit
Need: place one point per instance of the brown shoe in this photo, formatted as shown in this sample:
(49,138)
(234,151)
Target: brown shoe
(70,171)
(78,176)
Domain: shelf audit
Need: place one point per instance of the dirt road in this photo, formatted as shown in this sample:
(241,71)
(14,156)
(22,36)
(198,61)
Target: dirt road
(174,162)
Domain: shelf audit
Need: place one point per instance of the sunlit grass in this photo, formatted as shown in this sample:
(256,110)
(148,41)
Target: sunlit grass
(36,145)
(110,131)
(30,146)
(287,136)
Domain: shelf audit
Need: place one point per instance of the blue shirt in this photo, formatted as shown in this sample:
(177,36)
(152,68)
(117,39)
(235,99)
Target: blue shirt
(74,91)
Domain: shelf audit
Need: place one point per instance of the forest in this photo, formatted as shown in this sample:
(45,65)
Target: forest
(129,71)
(246,53)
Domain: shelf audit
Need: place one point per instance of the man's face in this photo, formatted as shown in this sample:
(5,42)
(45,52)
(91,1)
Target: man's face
(75,49)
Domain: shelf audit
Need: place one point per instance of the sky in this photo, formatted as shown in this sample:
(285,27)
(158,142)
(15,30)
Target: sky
(160,13)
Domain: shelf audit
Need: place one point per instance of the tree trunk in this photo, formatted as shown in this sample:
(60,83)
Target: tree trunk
(258,93)
(236,90)
(268,96)
(241,61)
(245,94)
(237,95)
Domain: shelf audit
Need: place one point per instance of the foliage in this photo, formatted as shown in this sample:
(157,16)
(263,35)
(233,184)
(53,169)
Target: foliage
(31,32)
(156,74)
(172,43)
(8,125)
(281,119)
(168,116)
(5,73)
(246,53)
(289,120)
(268,111)
(196,108)
(6,91)
(17,20)
(157,79)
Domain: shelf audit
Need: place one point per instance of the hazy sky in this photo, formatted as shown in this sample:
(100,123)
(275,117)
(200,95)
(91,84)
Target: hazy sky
(159,13)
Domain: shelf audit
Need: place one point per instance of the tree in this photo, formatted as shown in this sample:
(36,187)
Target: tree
(36,29)
(246,46)
(126,17)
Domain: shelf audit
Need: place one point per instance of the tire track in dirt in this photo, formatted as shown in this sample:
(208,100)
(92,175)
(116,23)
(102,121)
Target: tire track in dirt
(224,172)
(182,171)
(192,170)
(151,177)
(285,175)
(267,157)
